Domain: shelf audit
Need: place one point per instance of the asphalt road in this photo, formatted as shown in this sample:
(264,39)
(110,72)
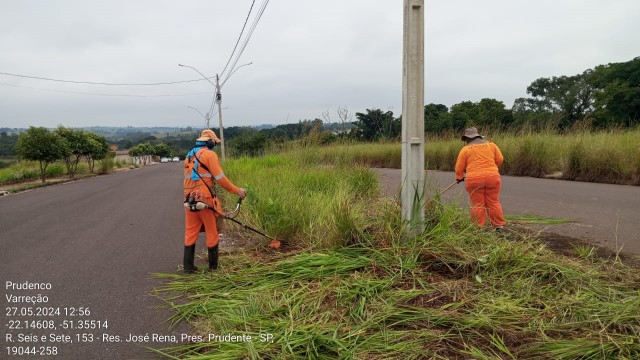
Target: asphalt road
(601,214)
(96,241)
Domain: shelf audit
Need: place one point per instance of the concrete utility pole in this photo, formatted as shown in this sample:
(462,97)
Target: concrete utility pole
(219,100)
(413,173)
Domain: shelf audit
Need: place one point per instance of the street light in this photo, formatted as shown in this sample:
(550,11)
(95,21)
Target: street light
(218,98)
(191,67)
(234,71)
(206,117)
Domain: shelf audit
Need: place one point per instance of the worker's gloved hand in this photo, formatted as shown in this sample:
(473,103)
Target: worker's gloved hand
(242,193)
(459,180)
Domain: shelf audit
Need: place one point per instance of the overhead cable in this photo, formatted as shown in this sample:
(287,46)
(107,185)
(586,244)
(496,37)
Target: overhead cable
(100,94)
(103,83)
(247,38)
(239,37)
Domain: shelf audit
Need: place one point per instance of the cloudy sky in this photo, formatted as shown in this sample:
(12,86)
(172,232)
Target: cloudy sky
(309,57)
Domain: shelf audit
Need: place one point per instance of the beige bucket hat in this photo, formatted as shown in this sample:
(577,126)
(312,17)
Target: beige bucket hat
(471,133)
(208,135)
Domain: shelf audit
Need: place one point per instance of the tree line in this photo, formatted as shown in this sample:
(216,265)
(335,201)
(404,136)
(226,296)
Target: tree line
(63,144)
(600,98)
(603,97)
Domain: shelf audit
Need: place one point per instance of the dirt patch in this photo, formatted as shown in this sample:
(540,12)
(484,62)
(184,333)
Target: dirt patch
(567,245)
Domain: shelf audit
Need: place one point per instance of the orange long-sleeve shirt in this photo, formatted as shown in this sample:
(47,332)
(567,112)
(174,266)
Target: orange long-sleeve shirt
(210,160)
(478,160)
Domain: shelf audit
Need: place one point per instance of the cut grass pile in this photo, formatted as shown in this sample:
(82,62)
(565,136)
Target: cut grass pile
(349,286)
(535,219)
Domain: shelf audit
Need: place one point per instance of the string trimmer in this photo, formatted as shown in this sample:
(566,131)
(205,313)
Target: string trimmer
(428,202)
(274,244)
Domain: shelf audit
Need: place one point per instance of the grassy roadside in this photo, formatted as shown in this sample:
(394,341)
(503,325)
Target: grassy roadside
(35,184)
(348,286)
(607,157)
(25,175)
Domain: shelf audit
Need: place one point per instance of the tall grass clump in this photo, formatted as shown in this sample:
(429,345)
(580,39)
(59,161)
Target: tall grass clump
(28,170)
(56,169)
(532,155)
(352,286)
(381,155)
(607,156)
(610,157)
(442,154)
(107,165)
(294,197)
(25,170)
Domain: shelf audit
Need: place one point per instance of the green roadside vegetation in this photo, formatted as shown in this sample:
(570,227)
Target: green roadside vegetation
(597,156)
(347,285)
(604,156)
(25,175)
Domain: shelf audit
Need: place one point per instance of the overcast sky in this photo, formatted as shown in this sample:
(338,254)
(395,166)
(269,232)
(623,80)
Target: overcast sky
(308,56)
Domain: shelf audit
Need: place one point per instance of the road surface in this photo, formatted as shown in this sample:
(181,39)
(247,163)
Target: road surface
(602,214)
(96,241)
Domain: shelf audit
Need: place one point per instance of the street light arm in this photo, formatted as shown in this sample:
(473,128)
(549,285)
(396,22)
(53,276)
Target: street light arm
(201,74)
(190,107)
(233,72)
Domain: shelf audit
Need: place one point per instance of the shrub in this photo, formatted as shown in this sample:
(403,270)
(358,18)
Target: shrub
(57,169)
(107,165)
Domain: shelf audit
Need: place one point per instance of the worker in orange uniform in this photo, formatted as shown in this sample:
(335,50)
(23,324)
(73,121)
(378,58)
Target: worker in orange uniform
(201,169)
(478,164)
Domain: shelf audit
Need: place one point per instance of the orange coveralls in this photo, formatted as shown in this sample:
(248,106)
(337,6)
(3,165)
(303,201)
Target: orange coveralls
(194,220)
(480,162)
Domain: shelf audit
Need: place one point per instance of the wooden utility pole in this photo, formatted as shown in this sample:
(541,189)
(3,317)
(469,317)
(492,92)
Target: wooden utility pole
(413,173)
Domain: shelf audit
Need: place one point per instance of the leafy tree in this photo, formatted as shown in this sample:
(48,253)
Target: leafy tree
(293,131)
(8,144)
(571,96)
(436,118)
(141,152)
(79,146)
(462,115)
(136,153)
(617,100)
(492,112)
(98,149)
(246,145)
(376,124)
(147,151)
(233,131)
(40,144)
(162,150)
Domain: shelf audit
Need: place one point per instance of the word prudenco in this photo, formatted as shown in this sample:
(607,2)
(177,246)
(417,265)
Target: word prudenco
(10,285)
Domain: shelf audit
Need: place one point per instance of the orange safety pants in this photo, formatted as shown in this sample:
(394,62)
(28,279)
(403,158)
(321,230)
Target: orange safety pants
(194,220)
(484,195)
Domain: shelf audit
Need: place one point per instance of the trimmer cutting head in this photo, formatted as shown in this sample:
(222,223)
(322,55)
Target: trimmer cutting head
(274,244)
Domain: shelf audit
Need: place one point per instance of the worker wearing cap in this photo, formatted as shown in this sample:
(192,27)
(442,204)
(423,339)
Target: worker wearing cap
(201,169)
(477,164)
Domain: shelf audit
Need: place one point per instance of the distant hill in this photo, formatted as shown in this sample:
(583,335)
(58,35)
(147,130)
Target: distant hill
(264,126)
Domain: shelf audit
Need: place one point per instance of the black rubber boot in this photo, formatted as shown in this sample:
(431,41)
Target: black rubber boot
(213,258)
(189,255)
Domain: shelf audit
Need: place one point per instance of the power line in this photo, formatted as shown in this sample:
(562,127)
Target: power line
(100,94)
(102,83)
(247,38)
(239,37)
